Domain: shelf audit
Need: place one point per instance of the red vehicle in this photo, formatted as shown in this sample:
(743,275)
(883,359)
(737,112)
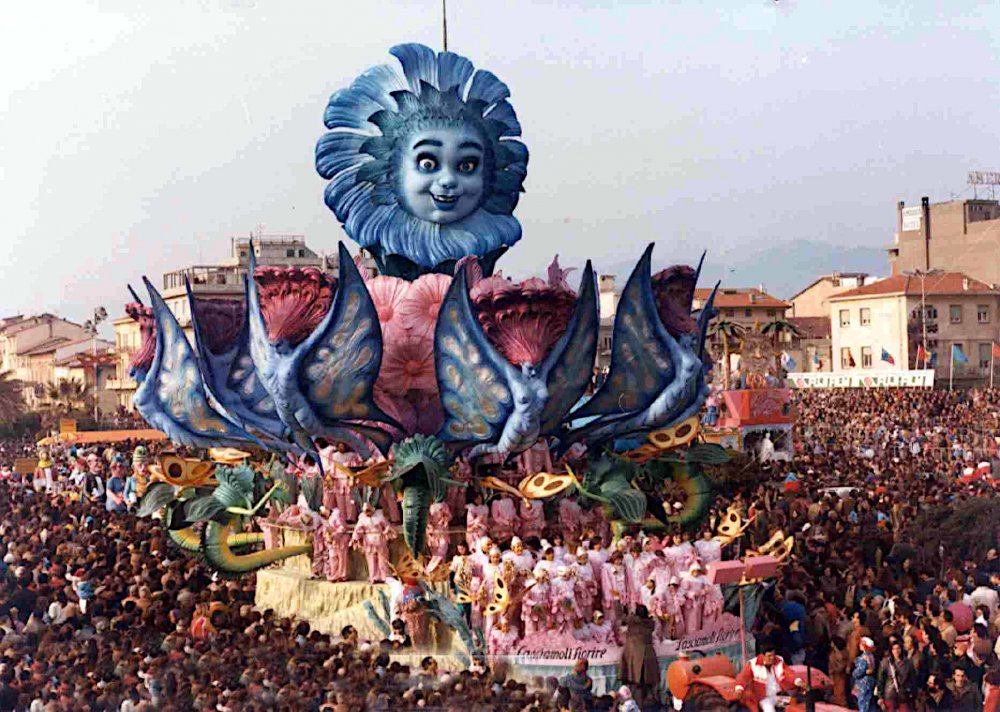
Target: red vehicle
(708,684)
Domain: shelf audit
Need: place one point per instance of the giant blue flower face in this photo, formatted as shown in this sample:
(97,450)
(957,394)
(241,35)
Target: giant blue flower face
(425,167)
(441,173)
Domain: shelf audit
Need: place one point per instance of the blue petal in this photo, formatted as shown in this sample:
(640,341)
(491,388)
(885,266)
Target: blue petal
(336,150)
(350,108)
(504,113)
(453,70)
(378,83)
(487,87)
(419,63)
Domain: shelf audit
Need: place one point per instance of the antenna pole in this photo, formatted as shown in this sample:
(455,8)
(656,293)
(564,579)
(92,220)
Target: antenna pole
(444,23)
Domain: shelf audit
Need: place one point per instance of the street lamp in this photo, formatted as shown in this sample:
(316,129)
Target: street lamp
(90,326)
(923,274)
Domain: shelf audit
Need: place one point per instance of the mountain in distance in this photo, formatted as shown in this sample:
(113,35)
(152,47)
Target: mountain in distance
(783,269)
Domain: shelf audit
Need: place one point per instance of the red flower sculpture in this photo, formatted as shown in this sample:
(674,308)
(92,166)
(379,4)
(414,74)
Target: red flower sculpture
(293,301)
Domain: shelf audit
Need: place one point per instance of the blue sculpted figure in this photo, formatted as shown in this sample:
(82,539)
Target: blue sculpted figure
(425,167)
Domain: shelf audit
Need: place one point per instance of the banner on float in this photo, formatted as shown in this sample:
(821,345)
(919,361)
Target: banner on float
(545,652)
(922,378)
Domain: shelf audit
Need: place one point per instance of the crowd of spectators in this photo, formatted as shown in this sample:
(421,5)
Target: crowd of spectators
(99,612)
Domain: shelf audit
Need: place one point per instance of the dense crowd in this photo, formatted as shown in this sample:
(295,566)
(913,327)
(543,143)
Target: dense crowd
(98,611)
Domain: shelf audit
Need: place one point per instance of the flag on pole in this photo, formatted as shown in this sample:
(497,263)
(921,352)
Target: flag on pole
(887,357)
(933,362)
(921,355)
(996,350)
(850,359)
(957,355)
(817,362)
(787,361)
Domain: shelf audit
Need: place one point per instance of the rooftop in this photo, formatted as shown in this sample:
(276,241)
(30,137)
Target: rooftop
(737,298)
(812,327)
(900,284)
(46,347)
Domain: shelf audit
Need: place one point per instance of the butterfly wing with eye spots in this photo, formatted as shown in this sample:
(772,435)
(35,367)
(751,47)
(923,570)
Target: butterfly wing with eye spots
(641,363)
(173,397)
(234,382)
(338,363)
(471,374)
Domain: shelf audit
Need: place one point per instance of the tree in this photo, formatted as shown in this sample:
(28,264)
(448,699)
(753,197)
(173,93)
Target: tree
(726,330)
(779,327)
(11,398)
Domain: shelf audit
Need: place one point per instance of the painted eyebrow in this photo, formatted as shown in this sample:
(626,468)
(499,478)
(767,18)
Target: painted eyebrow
(470,144)
(426,142)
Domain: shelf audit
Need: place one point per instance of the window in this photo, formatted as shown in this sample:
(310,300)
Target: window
(770,312)
(302,253)
(984,355)
(730,312)
(845,318)
(866,357)
(983,313)
(845,358)
(930,313)
(955,313)
(866,316)
(289,253)
(747,312)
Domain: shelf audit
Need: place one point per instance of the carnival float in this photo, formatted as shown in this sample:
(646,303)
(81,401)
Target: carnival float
(378,426)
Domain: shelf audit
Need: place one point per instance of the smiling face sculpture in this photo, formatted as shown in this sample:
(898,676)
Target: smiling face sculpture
(425,168)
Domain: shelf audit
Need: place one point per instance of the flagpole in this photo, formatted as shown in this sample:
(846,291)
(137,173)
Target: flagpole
(951,367)
(992,344)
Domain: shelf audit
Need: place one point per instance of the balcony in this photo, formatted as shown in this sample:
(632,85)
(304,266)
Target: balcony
(204,279)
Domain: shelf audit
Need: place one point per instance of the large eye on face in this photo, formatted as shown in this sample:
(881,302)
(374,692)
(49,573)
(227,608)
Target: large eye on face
(426,163)
(468,165)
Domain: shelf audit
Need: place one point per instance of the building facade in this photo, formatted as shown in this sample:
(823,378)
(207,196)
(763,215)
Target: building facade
(958,236)
(220,281)
(813,301)
(895,314)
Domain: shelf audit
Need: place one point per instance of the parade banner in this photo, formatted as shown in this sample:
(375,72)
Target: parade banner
(922,378)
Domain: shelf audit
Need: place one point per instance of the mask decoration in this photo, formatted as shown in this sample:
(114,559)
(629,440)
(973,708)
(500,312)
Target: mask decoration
(424,168)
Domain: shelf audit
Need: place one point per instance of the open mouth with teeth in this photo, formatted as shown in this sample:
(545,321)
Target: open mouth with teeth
(444,202)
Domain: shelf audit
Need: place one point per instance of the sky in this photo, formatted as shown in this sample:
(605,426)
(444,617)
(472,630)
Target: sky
(137,137)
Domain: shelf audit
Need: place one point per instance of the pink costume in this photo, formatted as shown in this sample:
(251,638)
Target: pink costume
(488,586)
(570,517)
(586,589)
(535,606)
(597,558)
(696,591)
(633,581)
(532,520)
(562,597)
(331,539)
(672,605)
(709,550)
(602,633)
(372,535)
(455,496)
(504,516)
(502,643)
(535,459)
(339,494)
(680,556)
(614,591)
(595,520)
(477,518)
(438,538)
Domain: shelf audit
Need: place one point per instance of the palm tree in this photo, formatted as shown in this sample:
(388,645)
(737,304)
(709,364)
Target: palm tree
(726,330)
(68,395)
(11,398)
(779,327)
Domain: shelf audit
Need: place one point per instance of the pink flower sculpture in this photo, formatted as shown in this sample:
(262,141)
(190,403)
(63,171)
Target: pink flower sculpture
(523,320)
(419,311)
(388,294)
(673,289)
(408,364)
(293,301)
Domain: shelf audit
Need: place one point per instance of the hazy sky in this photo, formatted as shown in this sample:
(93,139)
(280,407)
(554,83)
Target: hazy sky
(138,136)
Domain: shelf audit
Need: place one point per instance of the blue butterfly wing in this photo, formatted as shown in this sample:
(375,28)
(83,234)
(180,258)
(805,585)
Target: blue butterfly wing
(641,366)
(470,372)
(181,405)
(338,363)
(569,366)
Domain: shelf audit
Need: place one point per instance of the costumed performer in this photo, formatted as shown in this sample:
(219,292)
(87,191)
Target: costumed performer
(504,515)
(438,521)
(764,678)
(372,535)
(477,519)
